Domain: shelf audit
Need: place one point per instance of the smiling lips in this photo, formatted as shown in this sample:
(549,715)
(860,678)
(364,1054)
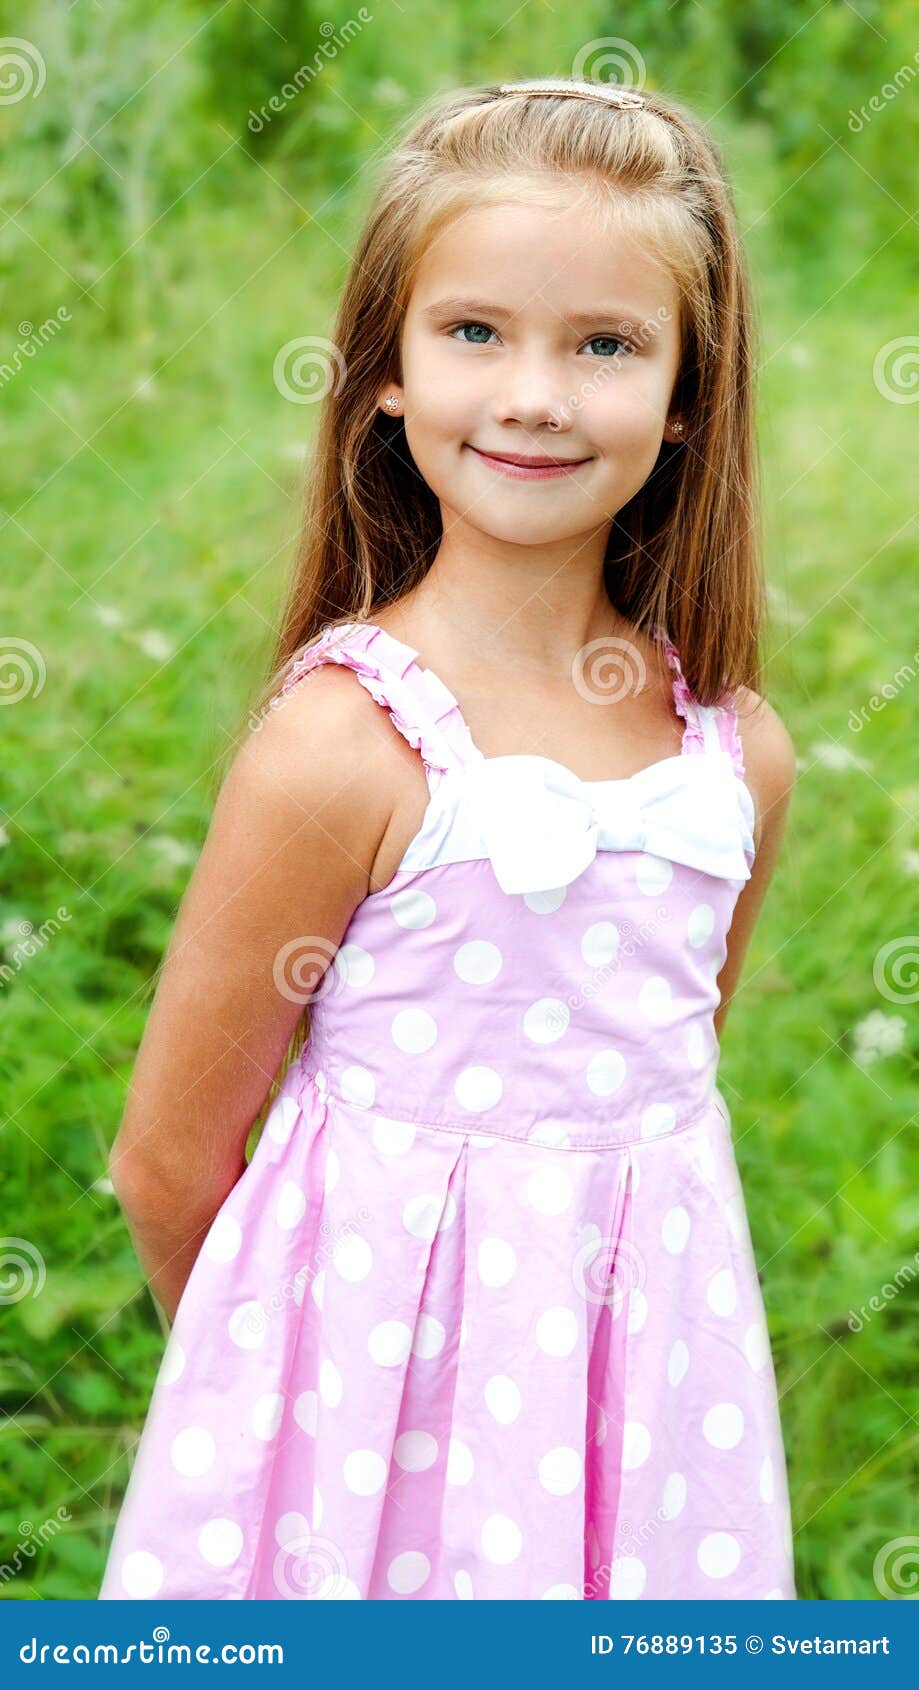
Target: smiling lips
(529,468)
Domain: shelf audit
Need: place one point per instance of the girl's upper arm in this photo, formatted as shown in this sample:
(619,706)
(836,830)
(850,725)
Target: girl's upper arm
(287,858)
(769,759)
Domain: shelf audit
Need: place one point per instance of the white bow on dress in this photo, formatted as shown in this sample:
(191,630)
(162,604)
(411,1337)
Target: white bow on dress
(542,825)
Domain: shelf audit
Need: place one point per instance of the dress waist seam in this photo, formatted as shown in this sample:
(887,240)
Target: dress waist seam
(472,1130)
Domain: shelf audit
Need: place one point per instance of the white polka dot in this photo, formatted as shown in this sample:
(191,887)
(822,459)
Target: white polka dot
(193,1452)
(718,1554)
(357,1086)
(560,1470)
(352,1257)
(600,944)
(767,1481)
(653,874)
(172,1365)
(414,1030)
(756,1345)
(700,924)
(220,1542)
(674,1495)
(736,1213)
(723,1425)
(408,1572)
(224,1239)
(389,1343)
(546,902)
(248,1324)
(430,1336)
(561,1592)
(477,1088)
(291,1205)
(550,1134)
(306,1412)
(282,1118)
(605,1072)
(636,1444)
(502,1539)
(462,1584)
(427,1213)
(774,1596)
(503,1398)
(655,999)
(722,1292)
(364,1472)
(497,1261)
(549,1191)
(354,966)
(266,1415)
(696,1052)
(546,1020)
(393,1138)
(477,962)
(557,1332)
(413,909)
(675,1230)
(289,1528)
(141,1574)
(627,1578)
(656,1119)
(331,1388)
(460,1464)
(317,1288)
(415,1451)
(677,1362)
(638,1311)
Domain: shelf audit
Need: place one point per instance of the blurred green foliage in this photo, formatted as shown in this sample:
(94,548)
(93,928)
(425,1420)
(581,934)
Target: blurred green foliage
(150,478)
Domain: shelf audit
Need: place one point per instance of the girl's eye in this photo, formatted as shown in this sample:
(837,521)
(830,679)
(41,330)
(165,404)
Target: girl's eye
(610,340)
(482,326)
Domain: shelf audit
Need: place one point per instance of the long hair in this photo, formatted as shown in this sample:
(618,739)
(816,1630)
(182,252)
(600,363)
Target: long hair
(685,551)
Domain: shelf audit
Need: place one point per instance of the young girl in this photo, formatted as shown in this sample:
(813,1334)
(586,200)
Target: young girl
(481,1318)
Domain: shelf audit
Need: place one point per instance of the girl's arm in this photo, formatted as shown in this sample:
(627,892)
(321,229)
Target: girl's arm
(288,856)
(769,759)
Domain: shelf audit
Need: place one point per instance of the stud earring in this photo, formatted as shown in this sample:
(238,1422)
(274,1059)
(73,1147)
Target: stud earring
(677,425)
(391,403)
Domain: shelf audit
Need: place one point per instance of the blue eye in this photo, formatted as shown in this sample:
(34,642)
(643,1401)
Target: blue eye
(473,326)
(611,340)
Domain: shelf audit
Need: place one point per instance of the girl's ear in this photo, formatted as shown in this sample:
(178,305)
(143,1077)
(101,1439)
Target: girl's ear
(389,399)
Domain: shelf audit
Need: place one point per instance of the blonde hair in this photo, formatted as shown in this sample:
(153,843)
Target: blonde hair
(685,551)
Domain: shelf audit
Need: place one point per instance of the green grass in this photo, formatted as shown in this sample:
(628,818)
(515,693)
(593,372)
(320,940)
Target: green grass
(149,531)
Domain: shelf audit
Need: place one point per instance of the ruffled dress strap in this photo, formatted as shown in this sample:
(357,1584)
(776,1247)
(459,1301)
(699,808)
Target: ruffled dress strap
(709,727)
(419,704)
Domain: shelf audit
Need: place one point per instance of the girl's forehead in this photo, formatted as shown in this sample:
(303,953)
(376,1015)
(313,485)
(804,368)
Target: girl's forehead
(557,254)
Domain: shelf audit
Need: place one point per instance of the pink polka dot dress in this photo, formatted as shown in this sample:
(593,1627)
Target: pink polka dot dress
(481,1320)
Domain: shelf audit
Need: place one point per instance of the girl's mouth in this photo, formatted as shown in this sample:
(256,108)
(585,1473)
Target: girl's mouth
(529,469)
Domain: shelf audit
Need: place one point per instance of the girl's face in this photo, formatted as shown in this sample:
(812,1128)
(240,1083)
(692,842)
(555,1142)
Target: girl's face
(521,313)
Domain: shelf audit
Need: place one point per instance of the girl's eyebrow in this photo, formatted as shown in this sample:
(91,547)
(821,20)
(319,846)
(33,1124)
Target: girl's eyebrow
(581,319)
